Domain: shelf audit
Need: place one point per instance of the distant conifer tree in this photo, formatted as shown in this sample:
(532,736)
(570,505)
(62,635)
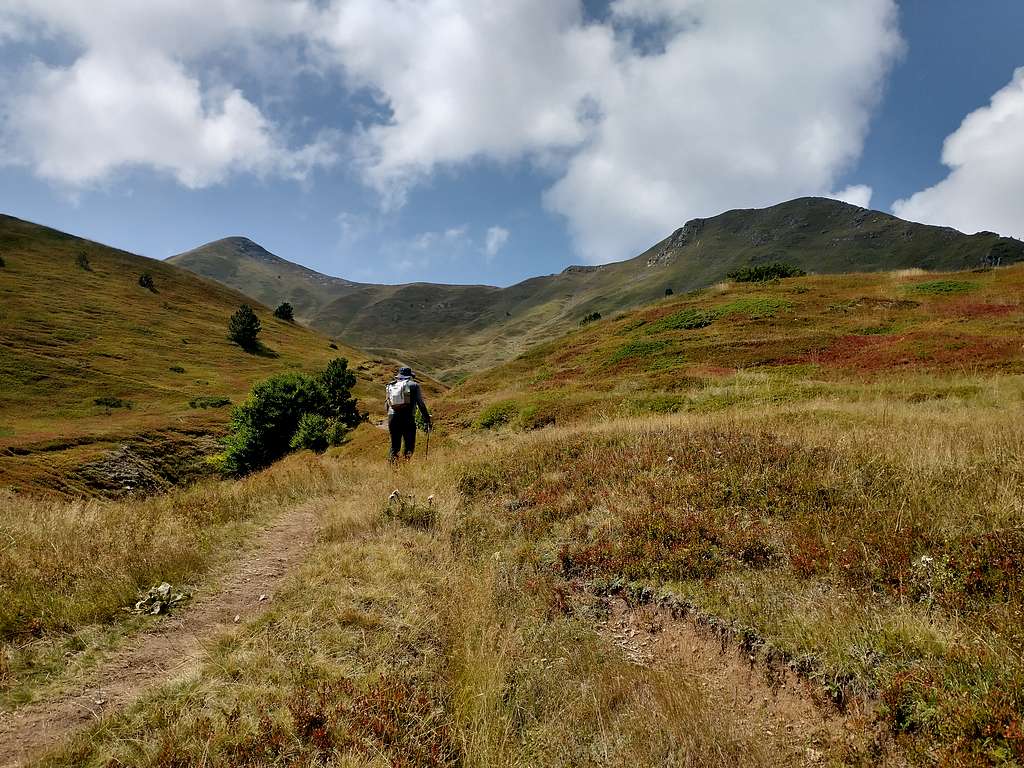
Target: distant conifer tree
(284,311)
(244,327)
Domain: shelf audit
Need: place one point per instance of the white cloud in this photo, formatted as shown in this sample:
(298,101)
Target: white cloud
(746,106)
(740,105)
(495,240)
(129,99)
(985,187)
(737,103)
(466,79)
(451,238)
(855,194)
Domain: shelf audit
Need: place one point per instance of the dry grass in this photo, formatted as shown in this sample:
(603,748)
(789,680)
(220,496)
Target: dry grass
(68,568)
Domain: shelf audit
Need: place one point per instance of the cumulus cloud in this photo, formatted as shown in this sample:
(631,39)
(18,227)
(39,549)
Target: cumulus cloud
(465,79)
(985,187)
(496,239)
(129,99)
(745,106)
(855,194)
(726,103)
(739,104)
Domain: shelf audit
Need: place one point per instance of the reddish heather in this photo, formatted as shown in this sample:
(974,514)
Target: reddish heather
(970,309)
(874,353)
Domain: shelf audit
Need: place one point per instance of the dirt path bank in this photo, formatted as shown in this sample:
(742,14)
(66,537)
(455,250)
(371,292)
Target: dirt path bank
(171,648)
(772,702)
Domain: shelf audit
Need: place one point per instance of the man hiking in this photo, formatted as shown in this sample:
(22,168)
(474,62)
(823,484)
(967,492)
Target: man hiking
(404,396)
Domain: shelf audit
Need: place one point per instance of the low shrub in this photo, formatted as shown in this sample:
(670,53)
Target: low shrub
(83,262)
(689,319)
(943,287)
(592,317)
(176,369)
(311,433)
(146,281)
(762,273)
(209,402)
(262,428)
(637,349)
(754,307)
(112,402)
(497,415)
(285,312)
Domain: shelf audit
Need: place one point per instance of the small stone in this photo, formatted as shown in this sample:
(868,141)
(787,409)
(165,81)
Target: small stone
(262,598)
(238,618)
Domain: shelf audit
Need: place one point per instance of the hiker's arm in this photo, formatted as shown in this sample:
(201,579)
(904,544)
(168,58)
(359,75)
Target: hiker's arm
(422,405)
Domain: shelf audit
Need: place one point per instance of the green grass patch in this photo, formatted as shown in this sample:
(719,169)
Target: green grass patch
(637,349)
(497,415)
(943,287)
(686,320)
(754,307)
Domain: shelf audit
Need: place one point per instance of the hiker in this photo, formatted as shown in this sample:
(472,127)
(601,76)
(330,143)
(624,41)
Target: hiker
(404,396)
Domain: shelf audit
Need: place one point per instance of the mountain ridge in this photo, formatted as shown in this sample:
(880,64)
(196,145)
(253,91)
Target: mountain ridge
(452,330)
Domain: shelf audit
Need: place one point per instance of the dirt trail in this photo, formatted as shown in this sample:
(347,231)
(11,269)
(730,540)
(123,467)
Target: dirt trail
(172,648)
(770,702)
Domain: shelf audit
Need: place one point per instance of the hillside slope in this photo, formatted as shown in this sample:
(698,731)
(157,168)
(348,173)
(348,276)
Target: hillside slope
(903,334)
(452,330)
(90,362)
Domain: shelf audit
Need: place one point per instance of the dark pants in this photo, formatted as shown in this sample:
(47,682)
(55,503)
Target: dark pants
(402,426)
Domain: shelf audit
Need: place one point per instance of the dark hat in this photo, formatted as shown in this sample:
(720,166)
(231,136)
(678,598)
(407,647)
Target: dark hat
(405,371)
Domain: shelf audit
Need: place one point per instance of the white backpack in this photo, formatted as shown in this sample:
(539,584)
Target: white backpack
(399,393)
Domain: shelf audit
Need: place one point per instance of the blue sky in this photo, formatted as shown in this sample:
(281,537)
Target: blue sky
(399,140)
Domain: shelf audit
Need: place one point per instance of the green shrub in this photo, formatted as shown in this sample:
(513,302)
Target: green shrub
(636,349)
(262,427)
(497,415)
(943,287)
(146,281)
(176,369)
(209,402)
(244,327)
(288,411)
(668,291)
(311,433)
(762,273)
(685,320)
(336,432)
(112,402)
(337,381)
(285,312)
(592,317)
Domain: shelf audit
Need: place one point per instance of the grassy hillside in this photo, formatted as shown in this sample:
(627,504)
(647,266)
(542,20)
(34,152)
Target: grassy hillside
(105,384)
(906,334)
(763,525)
(453,330)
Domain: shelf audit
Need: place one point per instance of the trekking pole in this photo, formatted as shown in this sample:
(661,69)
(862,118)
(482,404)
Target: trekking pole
(426,452)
